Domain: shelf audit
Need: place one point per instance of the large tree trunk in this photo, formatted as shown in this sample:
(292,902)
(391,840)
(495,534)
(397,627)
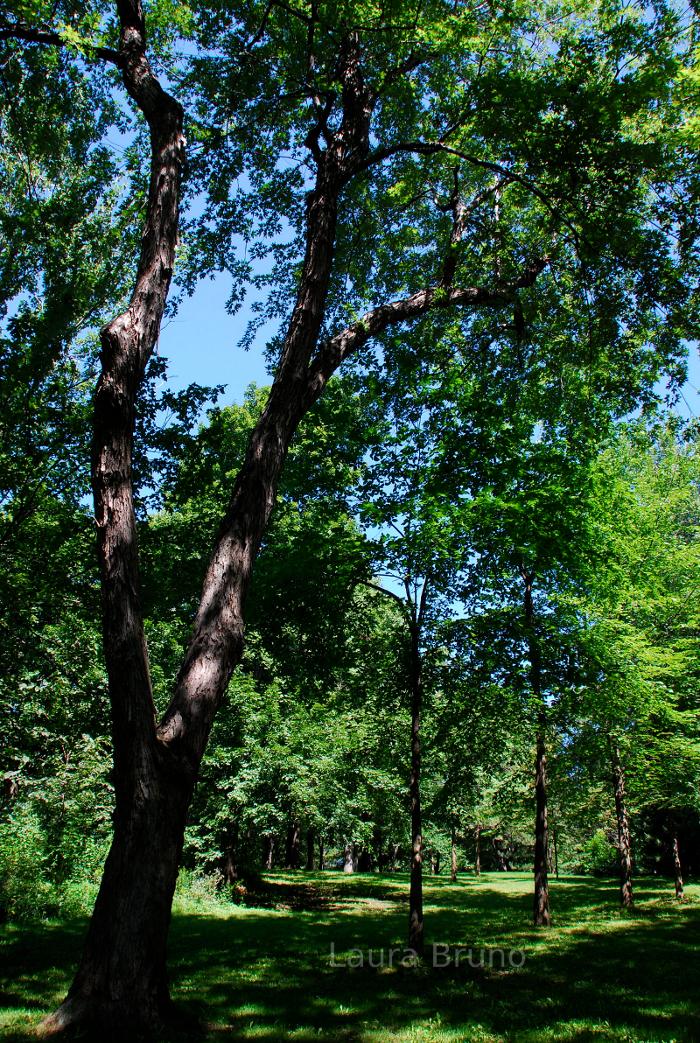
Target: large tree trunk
(677,868)
(624,843)
(415,910)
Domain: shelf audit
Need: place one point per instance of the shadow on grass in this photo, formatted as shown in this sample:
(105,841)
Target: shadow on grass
(267,974)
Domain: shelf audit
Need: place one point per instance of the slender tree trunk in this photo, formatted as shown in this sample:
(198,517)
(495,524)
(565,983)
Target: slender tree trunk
(415,913)
(230,863)
(349,863)
(541,913)
(477,851)
(556,852)
(624,842)
(268,852)
(321,854)
(453,858)
(309,849)
(678,869)
(293,836)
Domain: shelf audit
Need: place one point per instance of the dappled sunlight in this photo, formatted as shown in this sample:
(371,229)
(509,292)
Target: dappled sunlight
(270,974)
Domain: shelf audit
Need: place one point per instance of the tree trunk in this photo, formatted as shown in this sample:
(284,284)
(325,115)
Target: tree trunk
(453,859)
(477,851)
(293,835)
(268,852)
(321,854)
(624,842)
(415,911)
(349,863)
(541,914)
(678,869)
(309,849)
(230,866)
(556,852)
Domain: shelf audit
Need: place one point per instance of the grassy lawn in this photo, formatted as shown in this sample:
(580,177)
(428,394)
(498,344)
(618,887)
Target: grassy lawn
(264,971)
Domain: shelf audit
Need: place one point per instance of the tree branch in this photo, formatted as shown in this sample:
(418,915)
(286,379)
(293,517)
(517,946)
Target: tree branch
(52,39)
(337,348)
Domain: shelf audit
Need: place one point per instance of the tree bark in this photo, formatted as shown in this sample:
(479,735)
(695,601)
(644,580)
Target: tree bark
(677,867)
(453,856)
(624,842)
(415,909)
(477,851)
(321,854)
(309,849)
(122,974)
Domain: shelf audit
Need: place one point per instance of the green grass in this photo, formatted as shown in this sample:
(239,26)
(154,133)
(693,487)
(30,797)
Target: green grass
(263,972)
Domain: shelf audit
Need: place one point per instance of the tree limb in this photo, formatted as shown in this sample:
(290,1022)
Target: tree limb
(52,39)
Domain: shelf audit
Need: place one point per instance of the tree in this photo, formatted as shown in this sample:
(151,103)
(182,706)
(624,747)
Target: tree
(365,100)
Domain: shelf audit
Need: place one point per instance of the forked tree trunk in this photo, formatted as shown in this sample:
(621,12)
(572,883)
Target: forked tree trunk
(121,982)
(477,851)
(624,843)
(677,868)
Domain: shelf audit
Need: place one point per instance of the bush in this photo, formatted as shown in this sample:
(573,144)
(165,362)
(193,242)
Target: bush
(26,892)
(598,855)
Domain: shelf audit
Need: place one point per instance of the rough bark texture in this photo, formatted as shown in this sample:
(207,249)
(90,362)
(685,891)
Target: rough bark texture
(122,974)
(624,843)
(677,868)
